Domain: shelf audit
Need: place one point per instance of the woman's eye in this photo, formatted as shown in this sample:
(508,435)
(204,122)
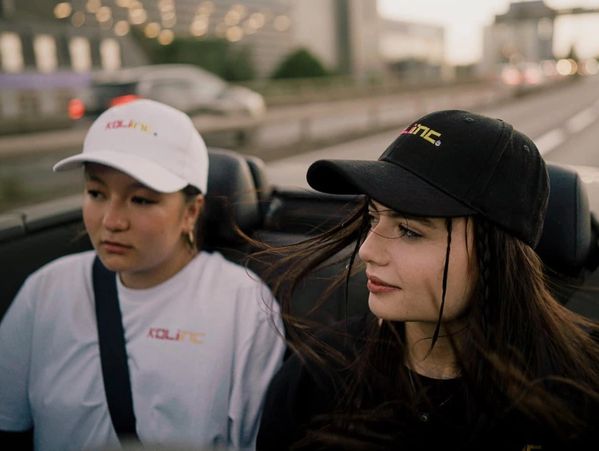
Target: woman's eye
(94,193)
(373,220)
(408,233)
(142,200)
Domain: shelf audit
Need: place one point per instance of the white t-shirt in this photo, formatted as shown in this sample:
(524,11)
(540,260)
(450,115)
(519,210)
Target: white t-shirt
(201,346)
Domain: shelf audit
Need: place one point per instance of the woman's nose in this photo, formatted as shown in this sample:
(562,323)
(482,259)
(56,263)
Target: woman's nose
(373,249)
(115,217)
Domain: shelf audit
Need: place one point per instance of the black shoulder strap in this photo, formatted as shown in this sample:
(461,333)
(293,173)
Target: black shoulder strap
(111,337)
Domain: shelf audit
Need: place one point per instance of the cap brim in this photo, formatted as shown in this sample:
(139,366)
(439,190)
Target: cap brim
(387,183)
(145,171)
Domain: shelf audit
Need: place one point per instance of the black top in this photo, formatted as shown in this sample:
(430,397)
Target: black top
(302,394)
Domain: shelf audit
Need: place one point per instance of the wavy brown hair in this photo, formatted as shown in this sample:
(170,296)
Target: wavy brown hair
(520,351)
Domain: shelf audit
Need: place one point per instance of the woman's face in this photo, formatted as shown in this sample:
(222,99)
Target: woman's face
(135,230)
(405,259)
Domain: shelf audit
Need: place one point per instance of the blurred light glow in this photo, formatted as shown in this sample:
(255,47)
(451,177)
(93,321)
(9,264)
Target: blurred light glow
(591,67)
(256,20)
(199,27)
(76,109)
(80,51)
(166,37)
(169,19)
(110,54)
(565,67)
(12,52)
(121,28)
(548,68)
(234,34)
(44,47)
(137,16)
(62,10)
(104,14)
(93,6)
(533,74)
(511,76)
(232,18)
(152,30)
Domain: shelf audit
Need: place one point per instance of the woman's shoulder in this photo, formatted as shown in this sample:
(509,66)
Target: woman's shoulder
(64,265)
(58,280)
(220,269)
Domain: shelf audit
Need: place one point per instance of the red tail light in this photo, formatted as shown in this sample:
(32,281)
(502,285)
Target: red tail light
(76,109)
(123,99)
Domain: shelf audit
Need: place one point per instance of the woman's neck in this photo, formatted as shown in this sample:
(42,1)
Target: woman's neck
(148,278)
(436,363)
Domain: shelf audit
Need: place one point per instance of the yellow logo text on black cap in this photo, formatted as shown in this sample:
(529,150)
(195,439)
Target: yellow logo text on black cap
(426,133)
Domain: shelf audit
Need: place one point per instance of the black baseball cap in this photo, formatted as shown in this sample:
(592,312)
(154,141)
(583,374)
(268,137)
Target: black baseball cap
(451,163)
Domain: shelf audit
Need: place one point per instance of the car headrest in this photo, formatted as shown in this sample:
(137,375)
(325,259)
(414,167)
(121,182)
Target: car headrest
(567,239)
(232,197)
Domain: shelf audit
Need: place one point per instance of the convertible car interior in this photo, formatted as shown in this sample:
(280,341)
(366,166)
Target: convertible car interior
(239,193)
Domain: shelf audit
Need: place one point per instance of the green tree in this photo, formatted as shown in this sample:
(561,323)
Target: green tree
(300,64)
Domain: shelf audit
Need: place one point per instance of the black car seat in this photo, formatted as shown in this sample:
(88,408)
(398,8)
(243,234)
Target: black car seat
(568,245)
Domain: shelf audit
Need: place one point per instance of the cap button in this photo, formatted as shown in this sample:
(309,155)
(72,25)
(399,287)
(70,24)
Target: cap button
(469,119)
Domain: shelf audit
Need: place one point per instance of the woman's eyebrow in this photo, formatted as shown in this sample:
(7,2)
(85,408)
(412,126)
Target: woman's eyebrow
(93,178)
(427,222)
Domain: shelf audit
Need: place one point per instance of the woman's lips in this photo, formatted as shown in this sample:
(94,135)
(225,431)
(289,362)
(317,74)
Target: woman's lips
(114,247)
(377,286)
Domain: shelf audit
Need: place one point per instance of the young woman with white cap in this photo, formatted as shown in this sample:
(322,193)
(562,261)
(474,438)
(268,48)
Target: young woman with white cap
(200,345)
(464,346)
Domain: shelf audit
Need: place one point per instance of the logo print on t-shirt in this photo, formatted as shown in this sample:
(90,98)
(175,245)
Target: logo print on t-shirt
(162,333)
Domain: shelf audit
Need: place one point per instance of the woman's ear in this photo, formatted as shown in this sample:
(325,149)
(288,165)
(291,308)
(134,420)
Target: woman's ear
(194,209)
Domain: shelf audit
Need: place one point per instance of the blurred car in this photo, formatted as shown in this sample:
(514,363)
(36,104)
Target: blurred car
(524,74)
(185,87)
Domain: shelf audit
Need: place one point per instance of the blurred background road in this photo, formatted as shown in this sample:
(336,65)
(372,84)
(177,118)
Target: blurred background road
(290,81)
(563,121)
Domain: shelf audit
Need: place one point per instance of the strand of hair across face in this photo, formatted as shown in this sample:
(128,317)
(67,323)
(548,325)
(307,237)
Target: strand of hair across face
(448,223)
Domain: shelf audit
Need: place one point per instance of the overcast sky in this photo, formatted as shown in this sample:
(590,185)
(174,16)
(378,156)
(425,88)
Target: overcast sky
(464,21)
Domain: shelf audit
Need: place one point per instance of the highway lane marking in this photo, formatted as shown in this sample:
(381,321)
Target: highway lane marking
(581,120)
(554,138)
(550,140)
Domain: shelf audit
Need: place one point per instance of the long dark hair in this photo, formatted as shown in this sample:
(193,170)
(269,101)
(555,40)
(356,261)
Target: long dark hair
(520,350)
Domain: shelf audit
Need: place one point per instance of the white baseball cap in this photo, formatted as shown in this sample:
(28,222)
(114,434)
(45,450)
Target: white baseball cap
(152,142)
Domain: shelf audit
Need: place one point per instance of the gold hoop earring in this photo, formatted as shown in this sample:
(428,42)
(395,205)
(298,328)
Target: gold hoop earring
(191,240)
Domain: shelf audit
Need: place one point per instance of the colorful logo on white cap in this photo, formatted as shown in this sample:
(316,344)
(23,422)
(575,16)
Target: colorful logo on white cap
(130,124)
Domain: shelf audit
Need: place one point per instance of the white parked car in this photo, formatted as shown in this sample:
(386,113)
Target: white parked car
(185,87)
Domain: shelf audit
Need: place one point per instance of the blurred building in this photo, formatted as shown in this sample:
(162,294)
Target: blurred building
(414,51)
(47,35)
(343,34)
(94,34)
(524,34)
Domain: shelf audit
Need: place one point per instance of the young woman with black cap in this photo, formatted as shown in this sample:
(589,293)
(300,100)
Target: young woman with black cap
(195,344)
(465,347)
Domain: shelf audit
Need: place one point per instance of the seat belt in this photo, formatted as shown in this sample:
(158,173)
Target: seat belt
(113,355)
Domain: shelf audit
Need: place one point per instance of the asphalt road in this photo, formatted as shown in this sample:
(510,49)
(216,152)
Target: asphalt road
(563,122)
